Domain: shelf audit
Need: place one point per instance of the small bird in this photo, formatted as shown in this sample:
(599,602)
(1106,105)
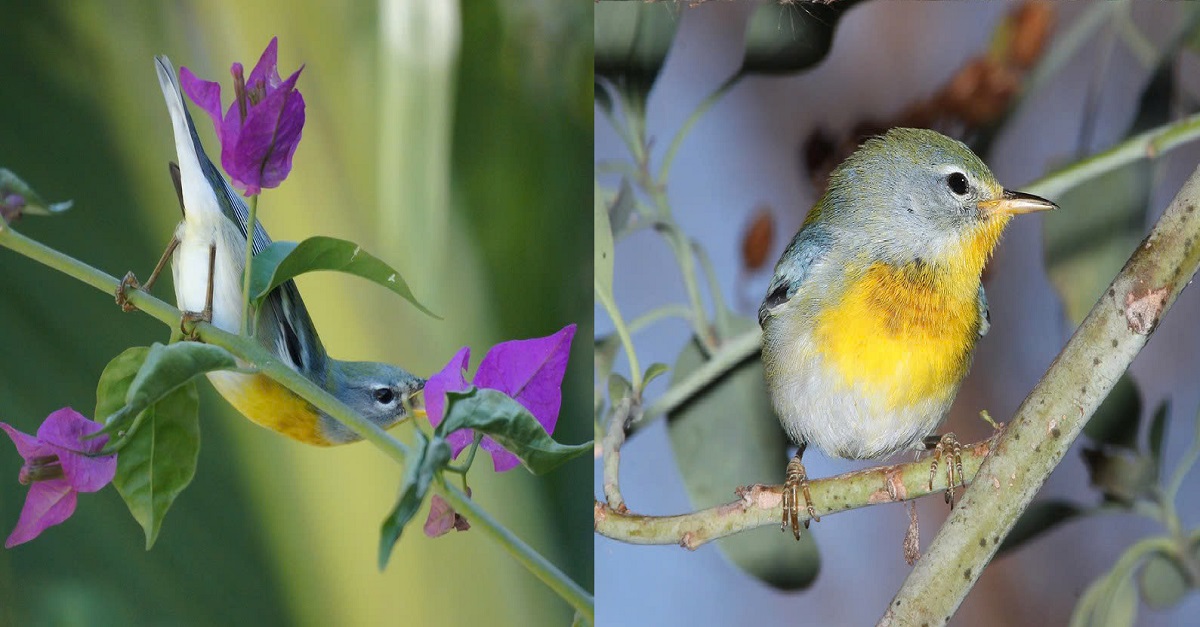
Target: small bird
(207,261)
(875,307)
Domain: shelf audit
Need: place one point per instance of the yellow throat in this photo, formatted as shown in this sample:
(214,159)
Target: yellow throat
(904,334)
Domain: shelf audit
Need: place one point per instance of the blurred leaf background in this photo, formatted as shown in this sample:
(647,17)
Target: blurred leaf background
(454,143)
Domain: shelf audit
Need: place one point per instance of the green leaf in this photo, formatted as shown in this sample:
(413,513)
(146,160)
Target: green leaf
(33,204)
(1116,420)
(602,260)
(507,422)
(1040,517)
(619,387)
(1122,478)
(159,459)
(165,369)
(1158,432)
(787,38)
(653,372)
(1111,601)
(728,436)
(429,456)
(1162,582)
(631,41)
(283,261)
(115,380)
(621,208)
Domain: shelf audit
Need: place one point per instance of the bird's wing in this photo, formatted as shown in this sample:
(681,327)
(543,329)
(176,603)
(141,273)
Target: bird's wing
(283,325)
(985,317)
(794,267)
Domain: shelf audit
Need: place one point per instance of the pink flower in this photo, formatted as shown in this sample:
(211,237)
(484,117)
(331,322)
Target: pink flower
(261,129)
(58,466)
(530,371)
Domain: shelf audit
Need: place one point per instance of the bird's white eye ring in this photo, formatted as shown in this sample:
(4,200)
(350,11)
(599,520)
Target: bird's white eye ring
(958,183)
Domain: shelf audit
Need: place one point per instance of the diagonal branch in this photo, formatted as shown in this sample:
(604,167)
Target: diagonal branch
(1054,413)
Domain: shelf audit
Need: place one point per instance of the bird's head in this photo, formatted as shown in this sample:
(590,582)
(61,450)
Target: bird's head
(915,193)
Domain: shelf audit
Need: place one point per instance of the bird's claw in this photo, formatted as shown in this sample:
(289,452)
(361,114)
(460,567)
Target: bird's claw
(127,283)
(187,324)
(947,445)
(795,484)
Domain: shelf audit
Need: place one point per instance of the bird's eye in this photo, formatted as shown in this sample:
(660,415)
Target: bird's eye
(385,396)
(958,183)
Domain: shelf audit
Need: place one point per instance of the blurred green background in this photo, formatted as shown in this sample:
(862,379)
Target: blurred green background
(453,142)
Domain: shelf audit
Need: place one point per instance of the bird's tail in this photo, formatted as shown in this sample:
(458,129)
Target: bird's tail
(194,166)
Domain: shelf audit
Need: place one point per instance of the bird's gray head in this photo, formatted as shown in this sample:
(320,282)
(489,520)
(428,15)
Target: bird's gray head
(377,391)
(914,193)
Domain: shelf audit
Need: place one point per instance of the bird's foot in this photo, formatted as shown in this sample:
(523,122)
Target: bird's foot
(796,484)
(129,282)
(187,324)
(946,446)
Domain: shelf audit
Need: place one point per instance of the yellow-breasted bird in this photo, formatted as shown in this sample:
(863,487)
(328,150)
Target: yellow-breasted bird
(207,262)
(872,316)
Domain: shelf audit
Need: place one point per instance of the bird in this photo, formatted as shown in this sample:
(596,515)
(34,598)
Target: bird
(874,310)
(207,252)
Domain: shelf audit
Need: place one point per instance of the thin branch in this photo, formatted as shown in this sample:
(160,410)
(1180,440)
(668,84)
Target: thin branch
(1054,414)
(761,505)
(251,351)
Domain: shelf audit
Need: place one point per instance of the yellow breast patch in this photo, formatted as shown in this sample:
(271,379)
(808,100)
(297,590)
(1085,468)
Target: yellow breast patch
(271,405)
(903,334)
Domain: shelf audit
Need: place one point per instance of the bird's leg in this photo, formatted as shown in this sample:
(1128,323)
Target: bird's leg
(795,484)
(205,315)
(947,445)
(130,281)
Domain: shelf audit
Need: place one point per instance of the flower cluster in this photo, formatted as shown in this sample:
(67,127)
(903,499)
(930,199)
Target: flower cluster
(530,371)
(261,129)
(60,463)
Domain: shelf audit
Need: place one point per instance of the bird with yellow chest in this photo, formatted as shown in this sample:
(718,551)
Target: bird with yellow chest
(873,313)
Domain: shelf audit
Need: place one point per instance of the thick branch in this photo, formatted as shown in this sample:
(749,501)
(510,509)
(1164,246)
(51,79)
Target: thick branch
(1054,413)
(760,505)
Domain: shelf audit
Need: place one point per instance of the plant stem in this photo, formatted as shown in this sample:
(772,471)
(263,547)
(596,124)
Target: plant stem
(247,321)
(732,352)
(761,505)
(635,369)
(251,351)
(533,561)
(1054,413)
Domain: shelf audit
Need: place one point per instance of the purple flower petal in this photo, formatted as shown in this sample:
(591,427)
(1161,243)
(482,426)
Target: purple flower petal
(48,503)
(450,378)
(28,446)
(206,95)
(266,70)
(530,371)
(261,155)
(441,517)
(502,460)
(64,430)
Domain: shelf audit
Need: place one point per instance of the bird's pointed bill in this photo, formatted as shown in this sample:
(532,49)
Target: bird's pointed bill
(1013,203)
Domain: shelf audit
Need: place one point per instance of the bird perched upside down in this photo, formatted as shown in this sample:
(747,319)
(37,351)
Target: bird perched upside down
(207,261)
(872,316)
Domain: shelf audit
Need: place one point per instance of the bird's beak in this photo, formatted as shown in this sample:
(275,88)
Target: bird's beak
(416,401)
(1012,203)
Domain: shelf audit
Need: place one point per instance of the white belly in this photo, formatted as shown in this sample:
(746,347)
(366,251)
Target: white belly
(816,407)
(190,267)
